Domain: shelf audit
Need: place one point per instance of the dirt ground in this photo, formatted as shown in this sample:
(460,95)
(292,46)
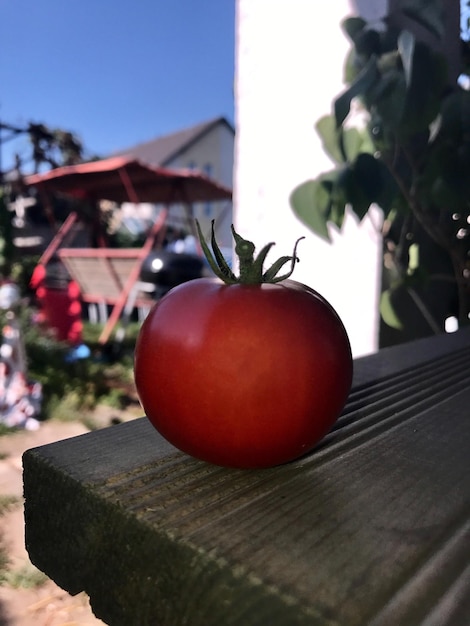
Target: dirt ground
(43,604)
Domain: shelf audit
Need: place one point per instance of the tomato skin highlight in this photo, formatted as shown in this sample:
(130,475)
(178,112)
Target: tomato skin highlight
(246,376)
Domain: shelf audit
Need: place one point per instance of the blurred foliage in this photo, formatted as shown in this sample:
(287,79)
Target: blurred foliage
(409,153)
(26,577)
(71,388)
(53,147)
(7,248)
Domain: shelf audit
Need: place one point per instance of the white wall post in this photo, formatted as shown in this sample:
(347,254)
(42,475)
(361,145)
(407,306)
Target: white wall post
(289,66)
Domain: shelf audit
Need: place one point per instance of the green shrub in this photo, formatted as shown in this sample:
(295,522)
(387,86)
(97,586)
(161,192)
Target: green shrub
(72,388)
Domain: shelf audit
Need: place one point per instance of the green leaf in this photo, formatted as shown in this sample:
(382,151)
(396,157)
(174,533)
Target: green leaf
(356,141)
(337,213)
(367,43)
(424,92)
(363,82)
(358,196)
(406,48)
(341,195)
(345,144)
(310,202)
(352,67)
(455,117)
(369,174)
(387,310)
(428,13)
(328,133)
(388,97)
(373,183)
(352,26)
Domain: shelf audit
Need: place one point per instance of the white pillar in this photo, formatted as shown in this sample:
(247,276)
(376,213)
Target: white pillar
(289,63)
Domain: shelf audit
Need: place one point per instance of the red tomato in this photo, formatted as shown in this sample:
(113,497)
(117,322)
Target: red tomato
(246,376)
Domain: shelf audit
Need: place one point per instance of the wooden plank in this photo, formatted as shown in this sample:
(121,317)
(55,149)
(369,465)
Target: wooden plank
(110,255)
(101,253)
(100,278)
(93,278)
(371,528)
(389,361)
(103,276)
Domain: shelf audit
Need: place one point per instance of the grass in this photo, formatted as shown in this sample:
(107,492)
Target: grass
(5,430)
(26,577)
(4,563)
(7,502)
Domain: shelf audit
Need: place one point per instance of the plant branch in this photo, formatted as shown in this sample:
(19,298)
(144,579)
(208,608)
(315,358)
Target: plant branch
(425,312)
(414,205)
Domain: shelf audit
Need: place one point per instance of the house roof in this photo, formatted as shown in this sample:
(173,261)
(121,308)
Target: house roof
(162,150)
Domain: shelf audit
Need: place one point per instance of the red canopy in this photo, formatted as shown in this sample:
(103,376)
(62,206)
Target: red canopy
(122,179)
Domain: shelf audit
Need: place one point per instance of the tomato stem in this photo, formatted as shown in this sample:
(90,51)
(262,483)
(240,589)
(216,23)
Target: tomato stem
(251,267)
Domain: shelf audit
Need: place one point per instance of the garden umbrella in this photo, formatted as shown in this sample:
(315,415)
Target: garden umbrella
(123,179)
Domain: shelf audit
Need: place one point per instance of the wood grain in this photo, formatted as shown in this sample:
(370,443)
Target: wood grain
(373,527)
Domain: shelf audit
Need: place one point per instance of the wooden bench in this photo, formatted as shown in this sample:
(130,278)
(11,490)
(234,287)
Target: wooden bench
(372,528)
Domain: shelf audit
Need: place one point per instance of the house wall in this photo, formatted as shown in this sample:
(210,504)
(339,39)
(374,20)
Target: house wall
(289,60)
(213,155)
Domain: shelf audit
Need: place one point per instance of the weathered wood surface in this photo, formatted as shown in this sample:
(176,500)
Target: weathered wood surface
(371,528)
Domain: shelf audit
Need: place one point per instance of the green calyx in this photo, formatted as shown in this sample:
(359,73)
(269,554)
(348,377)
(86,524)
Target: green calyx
(251,267)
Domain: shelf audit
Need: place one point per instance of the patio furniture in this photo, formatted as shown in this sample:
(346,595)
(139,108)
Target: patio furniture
(372,527)
(107,276)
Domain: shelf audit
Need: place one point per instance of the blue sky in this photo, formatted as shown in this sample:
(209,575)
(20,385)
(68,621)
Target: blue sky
(115,72)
